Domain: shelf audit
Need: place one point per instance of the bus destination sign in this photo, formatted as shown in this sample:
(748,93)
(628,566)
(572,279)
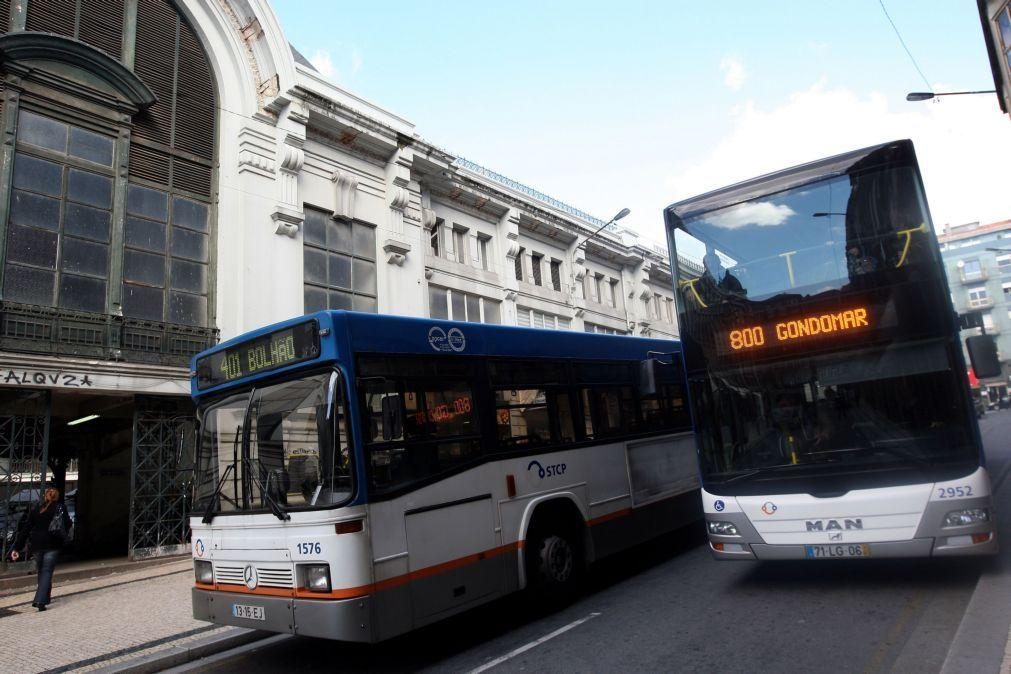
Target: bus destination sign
(262,354)
(793,330)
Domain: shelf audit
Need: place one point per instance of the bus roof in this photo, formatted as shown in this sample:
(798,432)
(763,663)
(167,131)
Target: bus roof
(899,152)
(384,333)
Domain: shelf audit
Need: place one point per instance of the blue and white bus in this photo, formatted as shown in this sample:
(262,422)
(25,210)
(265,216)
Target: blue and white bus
(361,475)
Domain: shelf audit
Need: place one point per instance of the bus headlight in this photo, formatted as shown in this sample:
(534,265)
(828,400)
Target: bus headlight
(722,528)
(202,571)
(961,518)
(315,577)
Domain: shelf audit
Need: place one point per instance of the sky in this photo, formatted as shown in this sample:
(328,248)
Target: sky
(638,104)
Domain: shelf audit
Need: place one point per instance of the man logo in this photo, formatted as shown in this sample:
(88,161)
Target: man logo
(836,536)
(250,576)
(833,525)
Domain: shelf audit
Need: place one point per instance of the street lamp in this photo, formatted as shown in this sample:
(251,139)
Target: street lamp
(622,213)
(927,95)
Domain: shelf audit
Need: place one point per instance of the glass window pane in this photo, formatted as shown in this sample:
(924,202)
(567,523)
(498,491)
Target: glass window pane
(91,223)
(28,285)
(338,235)
(314,227)
(339,300)
(38,175)
(42,132)
(456,299)
(189,276)
(90,188)
(491,312)
(35,210)
(191,214)
(141,302)
(90,146)
(364,274)
(145,234)
(144,268)
(82,293)
(473,309)
(314,265)
(191,245)
(187,309)
(147,202)
(32,246)
(365,241)
(363,303)
(1005,28)
(315,299)
(437,307)
(339,274)
(85,257)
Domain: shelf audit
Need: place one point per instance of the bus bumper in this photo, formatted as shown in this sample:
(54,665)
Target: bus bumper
(917,547)
(343,620)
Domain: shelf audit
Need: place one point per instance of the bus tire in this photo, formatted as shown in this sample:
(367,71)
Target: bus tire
(555,560)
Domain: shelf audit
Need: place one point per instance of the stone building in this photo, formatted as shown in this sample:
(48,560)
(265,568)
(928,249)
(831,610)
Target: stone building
(174,173)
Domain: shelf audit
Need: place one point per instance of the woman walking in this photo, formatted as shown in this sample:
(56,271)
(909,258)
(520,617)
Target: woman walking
(46,529)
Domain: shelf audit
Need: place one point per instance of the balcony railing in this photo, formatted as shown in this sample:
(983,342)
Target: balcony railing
(980,274)
(980,303)
(60,332)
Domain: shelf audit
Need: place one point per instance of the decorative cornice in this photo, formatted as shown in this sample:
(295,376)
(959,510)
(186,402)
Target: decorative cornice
(25,46)
(288,221)
(396,251)
(347,191)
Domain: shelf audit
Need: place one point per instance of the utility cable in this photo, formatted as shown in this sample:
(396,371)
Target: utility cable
(903,42)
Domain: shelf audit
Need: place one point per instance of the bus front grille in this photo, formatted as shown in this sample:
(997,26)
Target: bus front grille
(266,576)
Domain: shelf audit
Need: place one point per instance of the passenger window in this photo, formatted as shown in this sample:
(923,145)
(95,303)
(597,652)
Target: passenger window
(608,411)
(522,417)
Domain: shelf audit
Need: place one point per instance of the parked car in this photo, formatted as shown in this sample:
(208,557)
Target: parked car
(1004,403)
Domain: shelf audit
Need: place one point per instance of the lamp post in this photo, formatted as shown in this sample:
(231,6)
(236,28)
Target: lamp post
(927,95)
(622,213)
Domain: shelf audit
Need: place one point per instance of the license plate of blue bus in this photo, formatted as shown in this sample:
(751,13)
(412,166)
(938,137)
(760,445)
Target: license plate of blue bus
(837,551)
(248,612)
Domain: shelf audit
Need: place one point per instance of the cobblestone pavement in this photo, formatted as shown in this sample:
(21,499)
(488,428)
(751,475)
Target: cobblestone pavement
(97,622)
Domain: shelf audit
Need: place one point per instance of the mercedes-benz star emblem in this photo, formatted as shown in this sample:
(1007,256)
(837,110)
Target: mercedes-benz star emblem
(250,575)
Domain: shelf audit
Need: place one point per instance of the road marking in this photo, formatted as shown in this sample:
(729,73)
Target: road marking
(533,644)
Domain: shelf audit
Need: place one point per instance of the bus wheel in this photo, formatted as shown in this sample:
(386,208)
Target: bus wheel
(555,562)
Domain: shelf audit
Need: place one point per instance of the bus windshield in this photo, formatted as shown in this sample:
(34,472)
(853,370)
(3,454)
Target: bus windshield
(816,337)
(277,448)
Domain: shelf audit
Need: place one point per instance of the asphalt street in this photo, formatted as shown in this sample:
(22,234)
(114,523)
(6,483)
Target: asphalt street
(668,606)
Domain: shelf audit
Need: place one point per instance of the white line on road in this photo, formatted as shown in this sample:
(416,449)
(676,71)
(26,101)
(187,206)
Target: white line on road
(533,644)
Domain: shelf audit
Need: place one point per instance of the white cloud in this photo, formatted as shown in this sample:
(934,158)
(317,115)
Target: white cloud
(356,61)
(322,62)
(961,146)
(760,213)
(733,72)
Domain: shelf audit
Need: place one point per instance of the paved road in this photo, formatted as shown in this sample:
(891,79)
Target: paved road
(669,607)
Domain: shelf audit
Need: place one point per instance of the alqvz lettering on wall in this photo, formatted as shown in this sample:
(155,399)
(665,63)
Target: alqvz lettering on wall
(25,378)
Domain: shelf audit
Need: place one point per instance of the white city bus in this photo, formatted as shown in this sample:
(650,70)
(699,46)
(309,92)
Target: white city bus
(825,373)
(359,476)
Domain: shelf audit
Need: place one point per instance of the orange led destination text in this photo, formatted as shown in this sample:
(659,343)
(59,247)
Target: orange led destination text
(851,319)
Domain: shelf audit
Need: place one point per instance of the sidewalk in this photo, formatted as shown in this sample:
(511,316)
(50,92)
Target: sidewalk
(137,619)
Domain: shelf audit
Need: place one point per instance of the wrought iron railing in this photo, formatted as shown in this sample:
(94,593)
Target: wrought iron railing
(49,330)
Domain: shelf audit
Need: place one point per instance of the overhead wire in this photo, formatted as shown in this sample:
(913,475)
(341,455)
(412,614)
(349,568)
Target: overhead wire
(903,42)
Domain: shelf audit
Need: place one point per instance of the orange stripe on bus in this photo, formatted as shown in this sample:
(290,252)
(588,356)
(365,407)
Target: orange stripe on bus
(610,516)
(396,581)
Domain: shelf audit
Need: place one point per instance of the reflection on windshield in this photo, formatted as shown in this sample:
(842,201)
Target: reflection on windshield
(861,409)
(286,444)
(804,241)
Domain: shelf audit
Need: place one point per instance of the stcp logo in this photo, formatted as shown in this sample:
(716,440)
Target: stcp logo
(552,470)
(769,508)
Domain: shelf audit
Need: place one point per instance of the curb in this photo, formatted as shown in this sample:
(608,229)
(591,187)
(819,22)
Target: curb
(28,578)
(181,655)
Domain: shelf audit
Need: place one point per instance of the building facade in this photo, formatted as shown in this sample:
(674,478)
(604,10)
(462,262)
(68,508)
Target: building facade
(174,174)
(977,259)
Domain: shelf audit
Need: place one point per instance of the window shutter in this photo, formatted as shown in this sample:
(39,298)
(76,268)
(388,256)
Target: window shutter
(195,102)
(101,25)
(155,65)
(53,16)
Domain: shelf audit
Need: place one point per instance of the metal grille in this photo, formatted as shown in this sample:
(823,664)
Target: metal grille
(268,576)
(23,445)
(158,503)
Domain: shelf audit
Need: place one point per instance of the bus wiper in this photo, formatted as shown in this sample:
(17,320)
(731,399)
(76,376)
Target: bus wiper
(212,503)
(275,507)
(899,453)
(759,471)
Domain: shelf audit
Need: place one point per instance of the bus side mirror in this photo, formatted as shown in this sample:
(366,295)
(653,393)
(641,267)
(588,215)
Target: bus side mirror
(393,420)
(185,455)
(983,355)
(647,376)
